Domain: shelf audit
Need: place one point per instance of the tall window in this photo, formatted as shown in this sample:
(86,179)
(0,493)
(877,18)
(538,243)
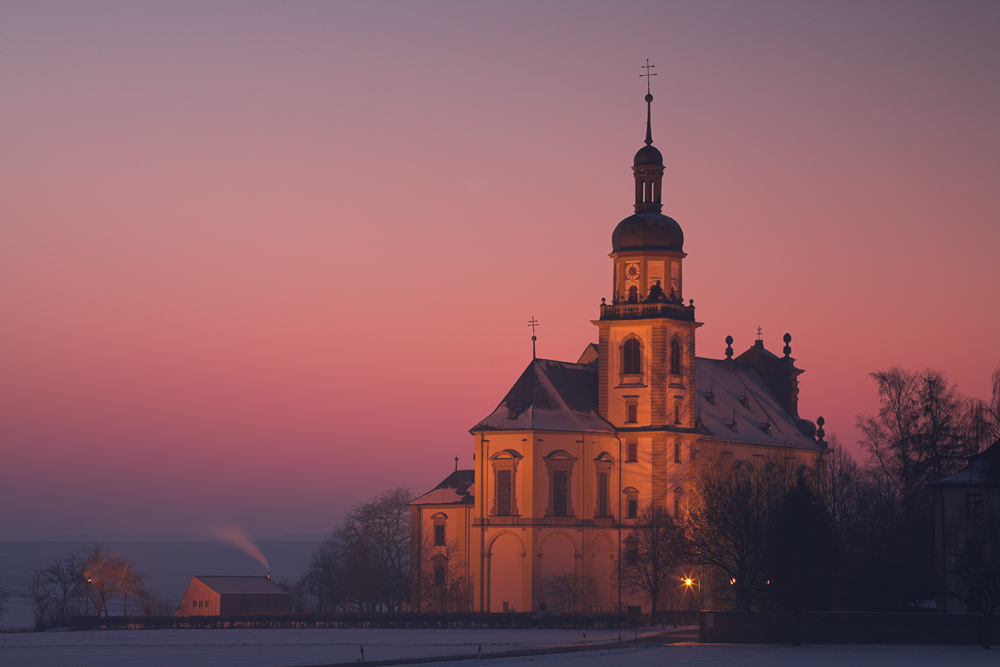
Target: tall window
(505,483)
(632,357)
(602,493)
(677,451)
(677,503)
(675,357)
(632,451)
(439,578)
(439,534)
(560,492)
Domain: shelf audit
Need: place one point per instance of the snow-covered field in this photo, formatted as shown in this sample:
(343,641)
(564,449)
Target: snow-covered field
(288,648)
(267,648)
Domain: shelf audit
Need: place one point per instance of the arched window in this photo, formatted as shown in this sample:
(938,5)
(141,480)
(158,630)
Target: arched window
(675,357)
(560,468)
(633,294)
(632,357)
(678,495)
(440,523)
(631,503)
(505,481)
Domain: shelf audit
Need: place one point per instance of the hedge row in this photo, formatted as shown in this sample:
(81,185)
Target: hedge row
(377,620)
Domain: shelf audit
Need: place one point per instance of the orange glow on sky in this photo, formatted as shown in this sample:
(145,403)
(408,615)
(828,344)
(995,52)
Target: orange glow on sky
(261,261)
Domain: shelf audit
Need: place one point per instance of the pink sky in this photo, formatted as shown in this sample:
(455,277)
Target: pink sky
(261,261)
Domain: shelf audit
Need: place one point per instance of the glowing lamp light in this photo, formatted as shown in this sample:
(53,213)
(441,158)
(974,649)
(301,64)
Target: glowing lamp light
(688,582)
(732,582)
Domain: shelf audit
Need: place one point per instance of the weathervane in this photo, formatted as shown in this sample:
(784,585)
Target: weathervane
(533,323)
(648,74)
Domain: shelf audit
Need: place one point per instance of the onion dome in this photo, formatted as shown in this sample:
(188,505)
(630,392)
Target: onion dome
(648,228)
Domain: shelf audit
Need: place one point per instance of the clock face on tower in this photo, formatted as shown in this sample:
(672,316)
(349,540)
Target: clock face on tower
(632,271)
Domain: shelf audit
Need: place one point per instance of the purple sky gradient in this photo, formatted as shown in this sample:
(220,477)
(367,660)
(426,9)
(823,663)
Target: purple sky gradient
(261,261)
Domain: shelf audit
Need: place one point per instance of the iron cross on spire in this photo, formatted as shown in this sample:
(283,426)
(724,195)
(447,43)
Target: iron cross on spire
(760,333)
(533,323)
(648,74)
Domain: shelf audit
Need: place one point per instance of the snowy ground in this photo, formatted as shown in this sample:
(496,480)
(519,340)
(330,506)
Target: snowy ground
(268,648)
(288,648)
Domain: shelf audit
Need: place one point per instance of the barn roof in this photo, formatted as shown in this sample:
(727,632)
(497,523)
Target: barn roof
(242,585)
(550,396)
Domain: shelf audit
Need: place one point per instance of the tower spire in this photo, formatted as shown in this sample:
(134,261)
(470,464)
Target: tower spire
(649,101)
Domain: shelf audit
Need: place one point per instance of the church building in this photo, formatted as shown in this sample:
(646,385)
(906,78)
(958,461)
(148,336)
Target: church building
(567,461)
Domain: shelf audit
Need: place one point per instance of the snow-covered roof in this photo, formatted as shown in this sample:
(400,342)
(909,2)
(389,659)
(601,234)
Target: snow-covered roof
(735,405)
(456,489)
(983,470)
(242,585)
(550,396)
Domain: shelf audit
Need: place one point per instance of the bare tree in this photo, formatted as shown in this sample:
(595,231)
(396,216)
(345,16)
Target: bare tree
(324,580)
(373,545)
(299,591)
(108,575)
(65,582)
(129,583)
(4,596)
(924,430)
(571,593)
(987,413)
(56,590)
(729,525)
(655,550)
(444,582)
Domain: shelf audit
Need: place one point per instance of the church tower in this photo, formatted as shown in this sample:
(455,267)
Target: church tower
(647,334)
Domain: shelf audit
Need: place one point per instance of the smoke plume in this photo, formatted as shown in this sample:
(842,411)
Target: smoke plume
(239,538)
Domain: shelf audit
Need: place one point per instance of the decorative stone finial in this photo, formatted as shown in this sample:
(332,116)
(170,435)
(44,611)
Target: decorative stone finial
(729,347)
(820,433)
(788,348)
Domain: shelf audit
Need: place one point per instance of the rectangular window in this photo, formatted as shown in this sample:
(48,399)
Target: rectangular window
(631,413)
(632,556)
(560,492)
(602,493)
(974,506)
(677,451)
(758,463)
(438,575)
(504,483)
(632,451)
(677,505)
(439,534)
(633,508)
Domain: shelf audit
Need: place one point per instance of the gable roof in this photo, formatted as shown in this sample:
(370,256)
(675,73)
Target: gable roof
(242,585)
(550,396)
(458,488)
(735,405)
(983,470)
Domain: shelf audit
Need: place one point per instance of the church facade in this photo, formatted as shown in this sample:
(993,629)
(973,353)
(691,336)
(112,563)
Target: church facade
(567,461)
